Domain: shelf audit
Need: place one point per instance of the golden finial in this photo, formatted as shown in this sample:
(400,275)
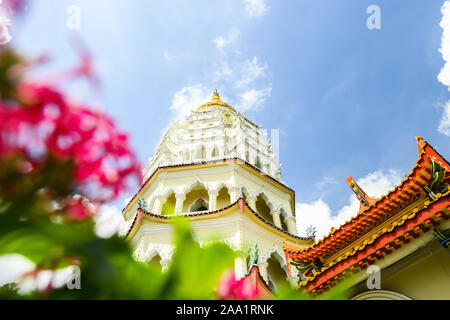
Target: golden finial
(215,95)
(215,102)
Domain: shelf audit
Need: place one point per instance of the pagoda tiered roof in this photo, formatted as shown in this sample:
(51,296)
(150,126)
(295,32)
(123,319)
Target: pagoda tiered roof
(417,205)
(239,204)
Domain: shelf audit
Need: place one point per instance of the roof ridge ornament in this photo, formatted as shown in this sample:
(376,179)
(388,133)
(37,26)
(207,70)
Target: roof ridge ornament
(420,144)
(363,198)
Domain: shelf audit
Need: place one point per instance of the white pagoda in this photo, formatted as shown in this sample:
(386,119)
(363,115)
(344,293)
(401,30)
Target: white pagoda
(218,170)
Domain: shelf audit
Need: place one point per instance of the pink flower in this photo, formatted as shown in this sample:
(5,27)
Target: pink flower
(232,289)
(79,208)
(14,6)
(47,124)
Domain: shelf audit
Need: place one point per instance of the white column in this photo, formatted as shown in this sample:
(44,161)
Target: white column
(165,264)
(276,218)
(240,268)
(212,200)
(179,203)
(252,202)
(234,194)
(292,227)
(158,204)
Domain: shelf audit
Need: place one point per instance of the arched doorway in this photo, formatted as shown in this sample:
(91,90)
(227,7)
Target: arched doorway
(168,206)
(223,198)
(263,207)
(196,199)
(276,273)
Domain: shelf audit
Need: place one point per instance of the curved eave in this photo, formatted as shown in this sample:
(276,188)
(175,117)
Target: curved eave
(400,232)
(401,194)
(204,164)
(240,204)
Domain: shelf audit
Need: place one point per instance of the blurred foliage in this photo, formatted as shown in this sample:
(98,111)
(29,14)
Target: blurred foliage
(108,270)
(11,71)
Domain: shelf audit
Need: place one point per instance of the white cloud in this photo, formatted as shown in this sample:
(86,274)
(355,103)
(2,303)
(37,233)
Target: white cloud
(189,98)
(444,74)
(252,99)
(251,71)
(246,81)
(327,181)
(225,72)
(444,125)
(109,221)
(319,214)
(222,42)
(255,8)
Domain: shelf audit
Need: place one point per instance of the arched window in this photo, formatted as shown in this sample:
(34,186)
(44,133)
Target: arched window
(203,152)
(223,198)
(198,191)
(263,208)
(247,150)
(155,261)
(215,152)
(258,162)
(199,205)
(275,272)
(283,216)
(168,206)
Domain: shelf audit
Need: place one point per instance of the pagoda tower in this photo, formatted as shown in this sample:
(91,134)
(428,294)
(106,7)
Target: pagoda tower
(217,170)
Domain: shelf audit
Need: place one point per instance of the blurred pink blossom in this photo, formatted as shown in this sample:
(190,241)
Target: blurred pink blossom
(80,208)
(14,7)
(231,289)
(47,124)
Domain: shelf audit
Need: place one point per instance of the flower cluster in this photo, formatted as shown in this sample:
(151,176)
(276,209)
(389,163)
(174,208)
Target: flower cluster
(45,123)
(232,289)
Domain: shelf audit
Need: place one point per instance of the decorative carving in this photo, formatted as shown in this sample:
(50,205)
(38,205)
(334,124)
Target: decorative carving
(438,175)
(307,269)
(142,204)
(254,255)
(311,231)
(444,239)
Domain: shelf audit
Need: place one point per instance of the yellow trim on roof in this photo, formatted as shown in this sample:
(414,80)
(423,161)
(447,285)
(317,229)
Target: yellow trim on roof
(217,163)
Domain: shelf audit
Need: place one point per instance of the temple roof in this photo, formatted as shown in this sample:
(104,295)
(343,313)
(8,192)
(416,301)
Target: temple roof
(418,202)
(215,102)
(220,161)
(240,204)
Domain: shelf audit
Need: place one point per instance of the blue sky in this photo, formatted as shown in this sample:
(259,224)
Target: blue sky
(345,98)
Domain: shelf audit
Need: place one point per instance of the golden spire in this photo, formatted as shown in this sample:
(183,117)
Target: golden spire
(215,96)
(215,102)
